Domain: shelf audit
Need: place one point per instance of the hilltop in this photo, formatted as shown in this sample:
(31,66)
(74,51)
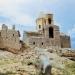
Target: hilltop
(28,62)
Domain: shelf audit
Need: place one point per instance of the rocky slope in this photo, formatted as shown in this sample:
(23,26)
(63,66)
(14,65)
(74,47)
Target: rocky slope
(29,62)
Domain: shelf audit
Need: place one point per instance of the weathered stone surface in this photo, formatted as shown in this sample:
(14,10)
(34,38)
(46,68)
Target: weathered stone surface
(9,39)
(47,34)
(34,61)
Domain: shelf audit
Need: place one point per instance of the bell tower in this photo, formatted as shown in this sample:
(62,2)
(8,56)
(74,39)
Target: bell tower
(40,23)
(49,19)
(44,21)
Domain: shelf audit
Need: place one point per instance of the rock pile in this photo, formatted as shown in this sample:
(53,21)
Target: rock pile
(31,61)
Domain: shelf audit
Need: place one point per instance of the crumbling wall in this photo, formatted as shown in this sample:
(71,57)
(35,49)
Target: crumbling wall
(65,41)
(9,39)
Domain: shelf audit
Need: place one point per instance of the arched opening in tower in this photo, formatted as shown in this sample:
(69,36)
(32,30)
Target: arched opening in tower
(51,35)
(49,20)
(39,26)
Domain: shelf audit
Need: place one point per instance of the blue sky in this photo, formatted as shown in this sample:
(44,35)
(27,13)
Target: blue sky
(23,14)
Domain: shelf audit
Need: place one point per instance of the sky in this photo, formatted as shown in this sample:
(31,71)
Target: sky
(23,14)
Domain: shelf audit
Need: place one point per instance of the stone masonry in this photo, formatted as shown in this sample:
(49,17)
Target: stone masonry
(9,38)
(47,34)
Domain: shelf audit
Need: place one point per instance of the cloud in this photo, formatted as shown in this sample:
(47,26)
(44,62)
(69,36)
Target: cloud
(71,32)
(9,9)
(58,24)
(25,12)
(19,11)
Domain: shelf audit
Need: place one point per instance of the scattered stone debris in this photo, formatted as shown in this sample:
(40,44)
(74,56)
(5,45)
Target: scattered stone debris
(35,61)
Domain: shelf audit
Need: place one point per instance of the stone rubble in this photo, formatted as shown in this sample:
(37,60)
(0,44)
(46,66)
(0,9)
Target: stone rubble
(28,62)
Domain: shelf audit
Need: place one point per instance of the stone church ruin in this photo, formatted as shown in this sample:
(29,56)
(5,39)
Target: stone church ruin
(9,39)
(48,34)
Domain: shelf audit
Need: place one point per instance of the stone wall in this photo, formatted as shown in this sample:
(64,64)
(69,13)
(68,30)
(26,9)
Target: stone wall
(50,34)
(9,38)
(41,42)
(65,41)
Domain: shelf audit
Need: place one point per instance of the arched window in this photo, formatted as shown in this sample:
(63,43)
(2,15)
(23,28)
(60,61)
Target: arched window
(42,43)
(49,20)
(51,34)
(39,26)
(43,30)
(33,43)
(61,45)
(13,34)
